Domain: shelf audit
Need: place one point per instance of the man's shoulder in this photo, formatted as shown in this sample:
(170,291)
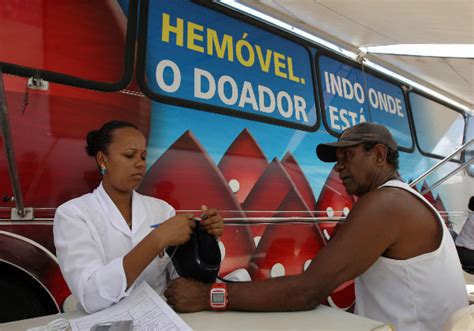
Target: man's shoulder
(389,204)
(394,205)
(385,197)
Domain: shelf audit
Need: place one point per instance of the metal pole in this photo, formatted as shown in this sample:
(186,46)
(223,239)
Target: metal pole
(442,180)
(440,163)
(8,145)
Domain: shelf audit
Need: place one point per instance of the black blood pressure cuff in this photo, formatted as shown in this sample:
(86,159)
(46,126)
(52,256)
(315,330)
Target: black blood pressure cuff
(198,258)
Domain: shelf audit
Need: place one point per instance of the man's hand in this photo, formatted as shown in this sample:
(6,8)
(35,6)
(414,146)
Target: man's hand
(212,221)
(186,295)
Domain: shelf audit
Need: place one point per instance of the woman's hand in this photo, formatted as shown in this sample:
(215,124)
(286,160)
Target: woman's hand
(211,221)
(176,230)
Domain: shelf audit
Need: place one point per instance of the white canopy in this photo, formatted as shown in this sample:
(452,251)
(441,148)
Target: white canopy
(354,23)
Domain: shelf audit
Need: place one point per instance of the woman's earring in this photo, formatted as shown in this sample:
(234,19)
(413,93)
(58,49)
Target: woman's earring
(103,170)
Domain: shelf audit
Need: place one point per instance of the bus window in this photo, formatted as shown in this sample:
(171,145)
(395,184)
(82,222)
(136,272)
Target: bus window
(195,56)
(439,130)
(351,96)
(81,39)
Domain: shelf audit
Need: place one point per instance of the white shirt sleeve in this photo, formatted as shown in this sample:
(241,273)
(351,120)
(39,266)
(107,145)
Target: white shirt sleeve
(94,283)
(466,236)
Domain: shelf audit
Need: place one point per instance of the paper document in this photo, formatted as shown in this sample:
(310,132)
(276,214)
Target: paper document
(144,306)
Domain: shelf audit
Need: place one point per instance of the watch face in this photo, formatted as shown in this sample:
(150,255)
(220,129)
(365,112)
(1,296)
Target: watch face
(218,297)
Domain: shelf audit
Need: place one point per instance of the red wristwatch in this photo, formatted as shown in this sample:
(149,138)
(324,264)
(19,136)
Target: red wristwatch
(218,296)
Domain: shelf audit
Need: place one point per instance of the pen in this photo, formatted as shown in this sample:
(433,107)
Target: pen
(198,219)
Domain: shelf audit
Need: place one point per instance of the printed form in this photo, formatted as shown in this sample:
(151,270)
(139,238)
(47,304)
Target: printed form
(144,306)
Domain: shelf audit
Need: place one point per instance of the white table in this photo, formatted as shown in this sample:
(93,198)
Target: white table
(321,318)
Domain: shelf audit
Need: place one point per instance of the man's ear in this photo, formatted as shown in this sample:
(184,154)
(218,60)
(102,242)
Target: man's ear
(380,151)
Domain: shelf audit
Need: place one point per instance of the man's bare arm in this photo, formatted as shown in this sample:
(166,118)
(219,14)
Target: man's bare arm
(369,230)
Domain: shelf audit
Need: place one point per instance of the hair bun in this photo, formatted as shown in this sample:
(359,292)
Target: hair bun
(91,139)
(99,140)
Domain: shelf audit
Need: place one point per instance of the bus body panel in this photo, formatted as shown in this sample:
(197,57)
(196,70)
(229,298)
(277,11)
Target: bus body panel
(281,204)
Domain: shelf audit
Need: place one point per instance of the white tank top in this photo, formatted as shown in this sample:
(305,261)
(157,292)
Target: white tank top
(419,293)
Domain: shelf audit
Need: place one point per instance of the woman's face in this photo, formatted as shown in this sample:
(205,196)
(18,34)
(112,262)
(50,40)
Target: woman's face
(125,160)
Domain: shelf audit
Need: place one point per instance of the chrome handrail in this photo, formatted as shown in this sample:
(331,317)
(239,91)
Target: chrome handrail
(8,144)
(445,178)
(440,163)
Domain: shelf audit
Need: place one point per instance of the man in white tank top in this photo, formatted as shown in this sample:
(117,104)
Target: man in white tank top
(393,242)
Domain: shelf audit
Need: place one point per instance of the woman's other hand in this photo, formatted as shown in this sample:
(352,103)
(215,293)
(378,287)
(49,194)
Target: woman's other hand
(211,221)
(177,229)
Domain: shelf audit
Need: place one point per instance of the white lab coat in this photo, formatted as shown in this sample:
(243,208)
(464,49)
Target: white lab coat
(91,239)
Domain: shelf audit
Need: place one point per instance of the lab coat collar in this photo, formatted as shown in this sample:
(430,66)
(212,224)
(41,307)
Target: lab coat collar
(113,214)
(138,212)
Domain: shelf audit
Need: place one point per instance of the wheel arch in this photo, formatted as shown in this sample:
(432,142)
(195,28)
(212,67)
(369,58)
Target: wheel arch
(37,263)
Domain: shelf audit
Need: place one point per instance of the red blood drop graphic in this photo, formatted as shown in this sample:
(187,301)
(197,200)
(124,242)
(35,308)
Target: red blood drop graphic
(244,162)
(297,176)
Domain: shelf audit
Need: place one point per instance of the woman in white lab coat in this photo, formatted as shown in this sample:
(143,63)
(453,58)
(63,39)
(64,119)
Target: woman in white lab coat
(104,242)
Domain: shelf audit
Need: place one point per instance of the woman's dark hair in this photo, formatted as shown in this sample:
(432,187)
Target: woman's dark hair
(471,203)
(392,155)
(99,140)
